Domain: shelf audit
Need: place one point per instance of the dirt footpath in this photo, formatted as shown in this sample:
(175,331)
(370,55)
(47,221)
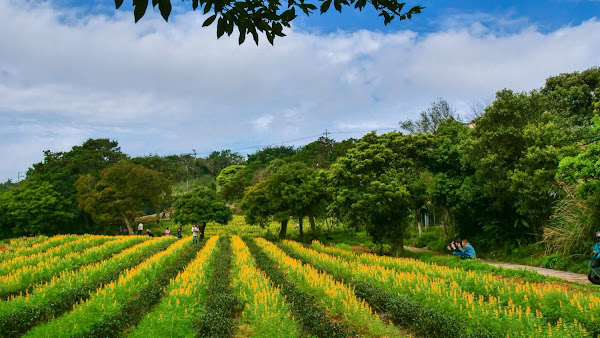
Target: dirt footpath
(568,276)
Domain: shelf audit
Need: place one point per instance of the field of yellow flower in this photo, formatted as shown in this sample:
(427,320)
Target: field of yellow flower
(236,283)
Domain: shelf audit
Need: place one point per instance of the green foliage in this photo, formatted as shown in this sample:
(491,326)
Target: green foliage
(135,308)
(221,304)
(232,181)
(430,119)
(583,170)
(402,311)
(63,169)
(119,194)
(266,155)
(200,206)
(219,160)
(292,190)
(34,208)
(305,308)
(251,17)
(369,188)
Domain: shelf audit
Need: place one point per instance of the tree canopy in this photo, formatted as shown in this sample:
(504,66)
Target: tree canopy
(200,206)
(269,17)
(119,193)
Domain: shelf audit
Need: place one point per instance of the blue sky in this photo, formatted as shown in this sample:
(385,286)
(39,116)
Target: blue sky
(73,70)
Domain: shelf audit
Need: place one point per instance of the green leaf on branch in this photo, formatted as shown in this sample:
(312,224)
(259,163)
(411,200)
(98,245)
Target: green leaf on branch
(325,6)
(140,9)
(221,27)
(209,21)
(165,8)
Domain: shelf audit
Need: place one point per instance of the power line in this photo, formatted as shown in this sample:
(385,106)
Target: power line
(327,133)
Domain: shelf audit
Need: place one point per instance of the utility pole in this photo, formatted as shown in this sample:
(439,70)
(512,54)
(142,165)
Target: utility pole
(19,176)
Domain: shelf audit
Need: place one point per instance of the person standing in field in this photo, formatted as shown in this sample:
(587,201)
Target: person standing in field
(140,228)
(179,232)
(168,232)
(195,232)
(202,227)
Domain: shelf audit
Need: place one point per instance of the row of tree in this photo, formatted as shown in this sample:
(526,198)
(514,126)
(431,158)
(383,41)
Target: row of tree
(524,169)
(512,175)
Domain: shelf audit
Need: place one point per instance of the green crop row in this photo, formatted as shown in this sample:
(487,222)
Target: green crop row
(265,312)
(174,316)
(306,310)
(57,252)
(53,298)
(221,304)
(37,247)
(553,301)
(338,298)
(447,298)
(109,299)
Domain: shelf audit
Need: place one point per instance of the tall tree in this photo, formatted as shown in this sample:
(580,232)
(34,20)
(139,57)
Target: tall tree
(119,194)
(232,181)
(292,190)
(430,119)
(266,155)
(218,160)
(200,206)
(62,169)
(34,208)
(369,187)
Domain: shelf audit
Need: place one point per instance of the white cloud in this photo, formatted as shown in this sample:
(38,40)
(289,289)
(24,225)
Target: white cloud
(263,122)
(168,88)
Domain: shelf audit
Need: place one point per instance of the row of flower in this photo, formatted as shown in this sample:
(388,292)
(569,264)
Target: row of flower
(57,252)
(550,300)
(28,246)
(108,300)
(334,295)
(495,315)
(62,291)
(265,311)
(184,300)
(27,277)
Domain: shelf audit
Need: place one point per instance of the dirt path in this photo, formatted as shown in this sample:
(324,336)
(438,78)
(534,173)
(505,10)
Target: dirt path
(568,276)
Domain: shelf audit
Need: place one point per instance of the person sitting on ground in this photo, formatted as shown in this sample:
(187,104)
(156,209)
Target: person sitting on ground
(149,233)
(595,259)
(464,250)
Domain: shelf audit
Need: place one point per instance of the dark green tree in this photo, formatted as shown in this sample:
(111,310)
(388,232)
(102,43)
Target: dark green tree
(369,187)
(232,181)
(118,195)
(268,154)
(218,160)
(200,206)
(62,169)
(251,17)
(292,190)
(34,208)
